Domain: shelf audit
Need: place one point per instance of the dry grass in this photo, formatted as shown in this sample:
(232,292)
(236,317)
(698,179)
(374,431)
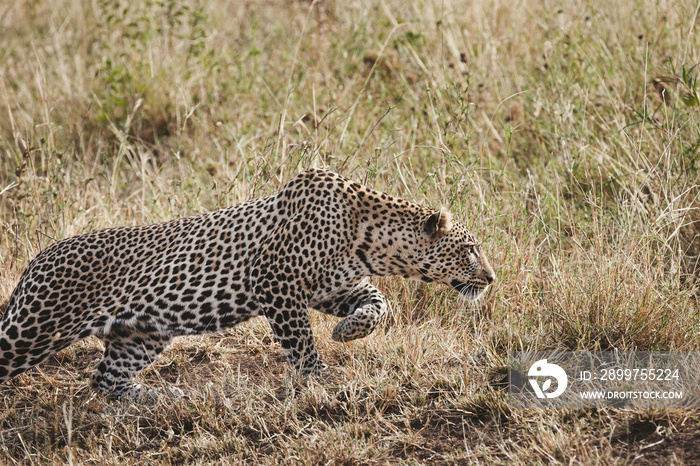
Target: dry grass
(548,127)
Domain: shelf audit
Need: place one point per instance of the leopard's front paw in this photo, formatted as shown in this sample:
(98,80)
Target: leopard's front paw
(351,328)
(315,369)
(137,392)
(325,373)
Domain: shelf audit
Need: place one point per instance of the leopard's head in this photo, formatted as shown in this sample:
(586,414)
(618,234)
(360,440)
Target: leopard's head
(453,256)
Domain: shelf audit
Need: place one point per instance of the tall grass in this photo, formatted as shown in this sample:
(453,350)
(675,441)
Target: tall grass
(562,133)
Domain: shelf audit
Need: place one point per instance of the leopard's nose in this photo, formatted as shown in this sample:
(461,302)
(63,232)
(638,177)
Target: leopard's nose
(490,277)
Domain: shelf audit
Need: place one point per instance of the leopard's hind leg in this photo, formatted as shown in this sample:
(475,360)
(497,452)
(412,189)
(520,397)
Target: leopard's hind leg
(127,353)
(30,334)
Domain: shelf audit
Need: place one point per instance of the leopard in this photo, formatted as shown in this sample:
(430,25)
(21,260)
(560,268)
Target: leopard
(314,244)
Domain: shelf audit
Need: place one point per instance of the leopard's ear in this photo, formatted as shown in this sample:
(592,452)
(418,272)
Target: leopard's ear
(438,224)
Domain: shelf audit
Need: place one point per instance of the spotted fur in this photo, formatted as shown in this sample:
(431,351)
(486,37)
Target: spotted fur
(312,245)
